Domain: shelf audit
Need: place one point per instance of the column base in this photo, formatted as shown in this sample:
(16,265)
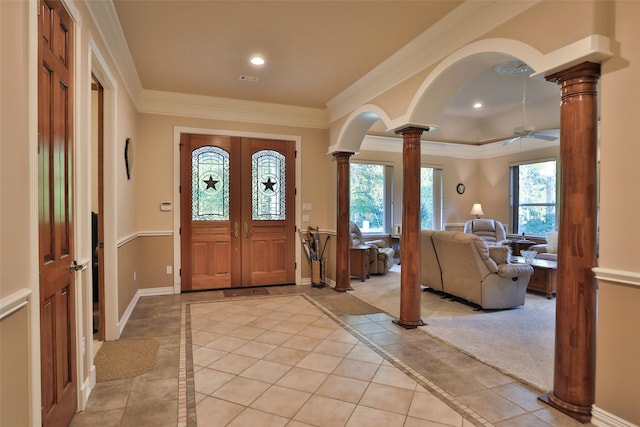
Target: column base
(580,413)
(348,288)
(409,324)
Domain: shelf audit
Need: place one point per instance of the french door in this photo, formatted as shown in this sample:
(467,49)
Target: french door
(237,212)
(55,203)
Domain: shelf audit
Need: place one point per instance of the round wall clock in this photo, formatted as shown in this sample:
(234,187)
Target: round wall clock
(460,188)
(128,156)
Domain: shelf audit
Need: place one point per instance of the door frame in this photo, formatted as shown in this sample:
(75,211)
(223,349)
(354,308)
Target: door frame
(177,131)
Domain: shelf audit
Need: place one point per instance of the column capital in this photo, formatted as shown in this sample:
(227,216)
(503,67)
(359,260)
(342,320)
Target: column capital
(583,70)
(342,154)
(412,130)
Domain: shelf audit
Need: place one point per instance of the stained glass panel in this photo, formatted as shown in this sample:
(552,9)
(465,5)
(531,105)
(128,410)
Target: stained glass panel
(268,178)
(210,184)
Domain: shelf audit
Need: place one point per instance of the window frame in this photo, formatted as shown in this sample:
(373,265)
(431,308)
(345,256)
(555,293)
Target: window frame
(514,194)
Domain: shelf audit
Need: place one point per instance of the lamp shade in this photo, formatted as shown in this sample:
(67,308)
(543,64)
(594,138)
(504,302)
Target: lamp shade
(477,210)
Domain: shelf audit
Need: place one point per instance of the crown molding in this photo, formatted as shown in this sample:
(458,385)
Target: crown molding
(464,24)
(105,17)
(458,151)
(208,107)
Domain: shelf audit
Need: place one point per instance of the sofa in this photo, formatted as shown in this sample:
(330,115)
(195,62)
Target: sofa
(490,230)
(380,256)
(466,266)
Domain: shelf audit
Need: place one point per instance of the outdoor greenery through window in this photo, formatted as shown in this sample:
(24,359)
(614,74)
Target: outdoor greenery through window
(371,186)
(533,196)
(430,198)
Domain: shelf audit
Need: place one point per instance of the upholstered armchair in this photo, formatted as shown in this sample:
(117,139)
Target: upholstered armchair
(380,255)
(489,230)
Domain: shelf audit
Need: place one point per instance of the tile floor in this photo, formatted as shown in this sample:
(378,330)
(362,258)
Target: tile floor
(302,357)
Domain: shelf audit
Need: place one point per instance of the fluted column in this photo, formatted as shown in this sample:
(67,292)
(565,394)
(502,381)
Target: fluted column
(410,297)
(343,234)
(574,369)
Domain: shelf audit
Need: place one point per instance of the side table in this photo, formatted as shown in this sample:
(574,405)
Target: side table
(359,261)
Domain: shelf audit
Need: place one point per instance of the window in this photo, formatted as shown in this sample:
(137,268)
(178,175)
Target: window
(533,197)
(430,198)
(371,191)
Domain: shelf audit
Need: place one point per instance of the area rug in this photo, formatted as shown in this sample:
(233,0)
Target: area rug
(125,358)
(519,341)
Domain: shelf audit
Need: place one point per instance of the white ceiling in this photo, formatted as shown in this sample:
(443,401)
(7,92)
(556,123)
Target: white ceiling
(314,51)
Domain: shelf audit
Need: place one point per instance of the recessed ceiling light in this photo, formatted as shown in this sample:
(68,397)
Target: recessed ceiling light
(477,105)
(257,60)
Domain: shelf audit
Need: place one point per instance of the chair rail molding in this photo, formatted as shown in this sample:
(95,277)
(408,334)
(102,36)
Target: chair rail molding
(617,276)
(14,302)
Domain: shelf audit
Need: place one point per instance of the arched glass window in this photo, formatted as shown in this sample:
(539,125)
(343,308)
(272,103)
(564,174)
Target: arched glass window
(268,178)
(210,184)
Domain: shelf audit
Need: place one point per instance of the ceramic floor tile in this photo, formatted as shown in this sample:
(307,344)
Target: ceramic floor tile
(266,371)
(325,412)
(241,390)
(233,363)
(302,343)
(157,414)
(302,379)
(491,406)
(281,401)
(255,349)
(333,348)
(425,406)
(364,354)
(343,388)
(287,356)
(205,356)
(209,380)
(273,337)
(145,391)
(390,375)
(251,417)
(217,412)
(316,332)
(226,343)
(393,399)
(366,417)
(320,362)
(357,369)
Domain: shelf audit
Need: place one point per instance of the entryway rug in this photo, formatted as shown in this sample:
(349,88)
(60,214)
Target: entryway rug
(125,358)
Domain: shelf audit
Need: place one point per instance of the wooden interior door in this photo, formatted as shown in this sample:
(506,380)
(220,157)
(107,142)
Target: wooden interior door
(237,212)
(55,149)
(268,192)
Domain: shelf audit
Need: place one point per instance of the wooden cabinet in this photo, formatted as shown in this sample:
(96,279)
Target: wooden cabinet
(359,261)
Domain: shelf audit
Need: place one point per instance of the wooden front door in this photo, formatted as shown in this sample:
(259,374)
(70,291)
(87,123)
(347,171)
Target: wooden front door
(55,183)
(237,212)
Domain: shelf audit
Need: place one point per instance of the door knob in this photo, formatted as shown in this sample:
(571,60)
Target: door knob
(236,227)
(74,266)
(247,233)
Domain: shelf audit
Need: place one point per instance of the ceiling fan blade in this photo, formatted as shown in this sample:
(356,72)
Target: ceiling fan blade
(542,136)
(511,141)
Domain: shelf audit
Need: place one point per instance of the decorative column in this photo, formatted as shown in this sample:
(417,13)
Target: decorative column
(574,369)
(343,238)
(410,297)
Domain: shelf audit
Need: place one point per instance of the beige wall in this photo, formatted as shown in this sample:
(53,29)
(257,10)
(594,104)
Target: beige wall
(618,347)
(14,369)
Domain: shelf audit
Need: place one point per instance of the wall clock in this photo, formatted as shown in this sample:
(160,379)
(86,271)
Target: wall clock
(128,156)
(460,188)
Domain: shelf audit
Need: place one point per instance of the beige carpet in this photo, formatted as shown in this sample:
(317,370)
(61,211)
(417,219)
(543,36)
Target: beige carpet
(125,358)
(517,341)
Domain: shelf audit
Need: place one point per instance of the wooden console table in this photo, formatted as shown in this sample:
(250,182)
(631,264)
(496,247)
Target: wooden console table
(359,261)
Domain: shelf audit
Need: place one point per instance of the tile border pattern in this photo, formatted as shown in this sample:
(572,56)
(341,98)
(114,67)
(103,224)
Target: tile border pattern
(186,385)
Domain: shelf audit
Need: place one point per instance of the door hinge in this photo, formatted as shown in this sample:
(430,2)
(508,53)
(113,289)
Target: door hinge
(180,272)
(295,265)
(295,191)
(295,228)
(295,153)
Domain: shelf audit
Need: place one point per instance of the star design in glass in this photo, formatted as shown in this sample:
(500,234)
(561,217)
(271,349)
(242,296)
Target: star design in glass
(268,185)
(211,183)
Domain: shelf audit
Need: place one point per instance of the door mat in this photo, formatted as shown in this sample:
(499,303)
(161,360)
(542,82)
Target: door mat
(245,292)
(125,358)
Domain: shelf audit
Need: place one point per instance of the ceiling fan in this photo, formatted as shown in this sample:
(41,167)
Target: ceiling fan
(526,131)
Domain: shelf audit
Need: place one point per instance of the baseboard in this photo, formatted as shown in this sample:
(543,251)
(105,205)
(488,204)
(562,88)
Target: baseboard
(602,418)
(166,290)
(87,387)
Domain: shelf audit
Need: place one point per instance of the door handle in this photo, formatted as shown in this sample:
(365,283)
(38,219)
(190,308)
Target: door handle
(236,228)
(74,266)
(247,233)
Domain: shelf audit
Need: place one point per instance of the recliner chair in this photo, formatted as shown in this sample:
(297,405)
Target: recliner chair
(489,230)
(380,256)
